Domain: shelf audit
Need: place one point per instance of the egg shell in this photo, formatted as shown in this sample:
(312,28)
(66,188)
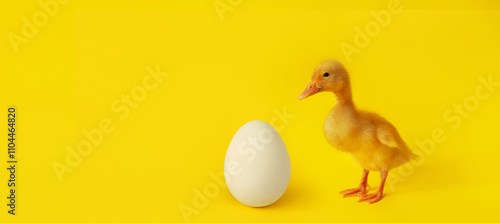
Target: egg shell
(257,166)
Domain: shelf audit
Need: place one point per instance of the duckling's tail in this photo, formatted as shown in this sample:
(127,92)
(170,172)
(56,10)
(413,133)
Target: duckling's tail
(414,156)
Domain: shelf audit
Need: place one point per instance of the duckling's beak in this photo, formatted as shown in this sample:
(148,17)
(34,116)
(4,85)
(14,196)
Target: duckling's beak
(311,89)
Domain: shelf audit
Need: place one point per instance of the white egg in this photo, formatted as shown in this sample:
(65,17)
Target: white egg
(257,166)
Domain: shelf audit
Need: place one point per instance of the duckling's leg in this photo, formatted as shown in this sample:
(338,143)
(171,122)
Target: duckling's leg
(361,189)
(372,198)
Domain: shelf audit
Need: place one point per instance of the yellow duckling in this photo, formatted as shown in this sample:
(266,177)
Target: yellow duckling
(371,140)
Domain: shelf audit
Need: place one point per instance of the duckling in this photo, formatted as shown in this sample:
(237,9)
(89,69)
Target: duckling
(371,140)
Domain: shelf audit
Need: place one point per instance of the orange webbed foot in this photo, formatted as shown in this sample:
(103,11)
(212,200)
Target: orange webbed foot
(361,190)
(354,192)
(377,196)
(371,198)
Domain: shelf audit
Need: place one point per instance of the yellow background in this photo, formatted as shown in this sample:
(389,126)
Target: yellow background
(224,73)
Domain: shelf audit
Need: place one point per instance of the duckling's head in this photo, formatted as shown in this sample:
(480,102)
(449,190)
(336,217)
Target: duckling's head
(330,76)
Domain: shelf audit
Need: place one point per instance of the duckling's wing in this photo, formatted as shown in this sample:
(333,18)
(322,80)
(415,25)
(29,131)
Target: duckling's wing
(388,136)
(385,132)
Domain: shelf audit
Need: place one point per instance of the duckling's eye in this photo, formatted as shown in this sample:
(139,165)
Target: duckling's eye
(326,74)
